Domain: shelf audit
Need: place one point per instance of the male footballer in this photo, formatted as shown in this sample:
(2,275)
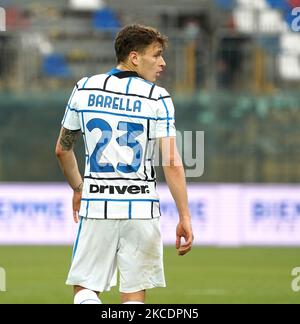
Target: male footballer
(121,115)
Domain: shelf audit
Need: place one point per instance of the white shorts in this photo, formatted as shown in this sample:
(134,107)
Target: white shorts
(134,247)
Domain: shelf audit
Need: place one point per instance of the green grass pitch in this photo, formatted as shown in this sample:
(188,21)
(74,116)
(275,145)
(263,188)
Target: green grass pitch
(206,275)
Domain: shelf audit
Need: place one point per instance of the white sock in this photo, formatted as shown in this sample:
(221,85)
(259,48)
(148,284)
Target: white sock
(133,302)
(86,296)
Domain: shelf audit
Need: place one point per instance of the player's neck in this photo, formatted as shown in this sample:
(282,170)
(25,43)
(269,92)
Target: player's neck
(127,67)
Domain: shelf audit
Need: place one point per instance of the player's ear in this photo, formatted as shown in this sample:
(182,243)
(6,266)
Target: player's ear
(134,58)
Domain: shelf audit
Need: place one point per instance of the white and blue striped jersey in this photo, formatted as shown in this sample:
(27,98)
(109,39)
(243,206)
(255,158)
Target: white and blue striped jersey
(120,116)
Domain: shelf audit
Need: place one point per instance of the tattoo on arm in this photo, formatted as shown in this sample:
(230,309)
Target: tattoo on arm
(68,138)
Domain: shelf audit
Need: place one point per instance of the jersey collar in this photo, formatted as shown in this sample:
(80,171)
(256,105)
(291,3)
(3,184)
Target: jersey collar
(122,74)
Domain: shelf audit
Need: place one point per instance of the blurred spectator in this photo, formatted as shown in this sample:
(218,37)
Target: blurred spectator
(294,3)
(16,19)
(229,60)
(192,29)
(195,40)
(3,46)
(2,20)
(37,40)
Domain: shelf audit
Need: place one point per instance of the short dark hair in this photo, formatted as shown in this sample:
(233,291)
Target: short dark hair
(136,38)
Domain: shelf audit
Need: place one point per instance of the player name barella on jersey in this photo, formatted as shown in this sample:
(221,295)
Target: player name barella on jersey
(116,103)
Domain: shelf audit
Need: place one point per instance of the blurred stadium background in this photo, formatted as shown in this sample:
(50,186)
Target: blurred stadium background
(234,73)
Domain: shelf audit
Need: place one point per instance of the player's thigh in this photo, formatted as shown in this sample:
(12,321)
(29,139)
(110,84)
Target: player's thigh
(97,238)
(95,256)
(140,255)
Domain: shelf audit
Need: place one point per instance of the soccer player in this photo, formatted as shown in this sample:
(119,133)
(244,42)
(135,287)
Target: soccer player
(121,114)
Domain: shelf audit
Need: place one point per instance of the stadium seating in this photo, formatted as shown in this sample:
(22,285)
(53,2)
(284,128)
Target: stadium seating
(233,114)
(84,40)
(225,4)
(278,4)
(105,19)
(55,65)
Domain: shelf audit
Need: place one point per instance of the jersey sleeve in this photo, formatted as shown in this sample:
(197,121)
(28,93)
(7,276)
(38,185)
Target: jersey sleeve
(71,118)
(165,123)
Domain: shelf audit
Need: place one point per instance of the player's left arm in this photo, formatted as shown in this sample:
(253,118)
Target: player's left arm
(173,169)
(65,154)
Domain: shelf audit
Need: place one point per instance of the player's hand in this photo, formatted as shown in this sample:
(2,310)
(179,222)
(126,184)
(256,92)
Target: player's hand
(184,230)
(76,205)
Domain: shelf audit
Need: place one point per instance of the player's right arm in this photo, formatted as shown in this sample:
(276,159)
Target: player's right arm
(68,163)
(175,178)
(69,133)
